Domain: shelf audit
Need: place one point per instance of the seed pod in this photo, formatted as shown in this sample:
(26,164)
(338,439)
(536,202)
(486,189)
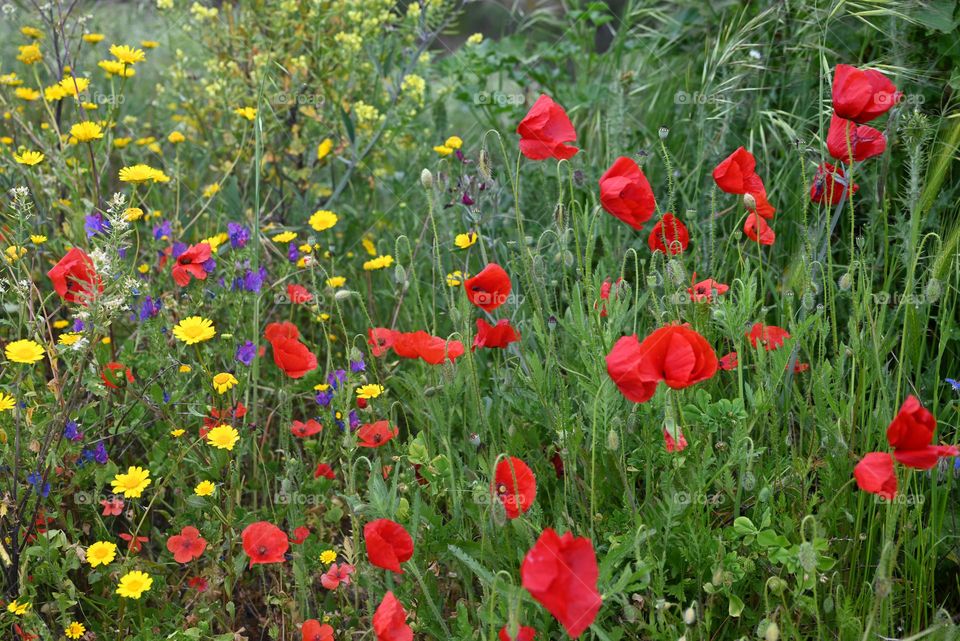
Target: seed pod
(426,179)
(484,165)
(613,440)
(772,632)
(934,290)
(845,282)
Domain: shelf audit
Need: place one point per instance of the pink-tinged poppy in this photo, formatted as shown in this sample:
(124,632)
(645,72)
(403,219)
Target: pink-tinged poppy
(495,336)
(388,544)
(376,434)
(74,278)
(313,630)
(674,445)
(116,375)
(704,290)
(524,633)
(264,542)
(545,130)
(862,94)
(729,361)
(910,433)
(304,430)
(134,543)
(187,546)
(289,354)
(489,289)
(675,354)
(198,583)
(298,294)
(191,263)
(875,474)
(515,485)
(336,575)
(325,471)
(847,141)
(829,186)
(756,229)
(431,349)
(112,506)
(625,193)
(607,288)
(561,573)
(300,534)
(770,337)
(669,235)
(390,620)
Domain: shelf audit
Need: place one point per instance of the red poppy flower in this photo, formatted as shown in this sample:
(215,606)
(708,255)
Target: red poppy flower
(325,471)
(190,263)
(289,354)
(376,434)
(525,633)
(674,445)
(561,574)
(756,229)
(198,583)
(187,546)
(515,485)
(74,278)
(313,630)
(606,288)
(499,335)
(703,291)
(544,130)
(298,294)
(24,636)
(390,620)
(336,575)
(381,340)
(626,194)
(303,430)
(675,354)
(875,474)
(217,417)
(736,174)
(847,141)
(388,544)
(729,361)
(669,233)
(264,543)
(112,506)
(432,349)
(116,375)
(770,336)
(300,535)
(828,185)
(862,94)
(909,435)
(490,288)
(757,203)
(134,544)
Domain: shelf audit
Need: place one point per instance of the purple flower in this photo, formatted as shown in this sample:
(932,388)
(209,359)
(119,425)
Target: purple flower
(100,454)
(323,398)
(178,248)
(293,254)
(149,308)
(334,379)
(252,281)
(72,431)
(358,366)
(162,231)
(246,353)
(36,481)
(354,420)
(78,325)
(95,224)
(239,235)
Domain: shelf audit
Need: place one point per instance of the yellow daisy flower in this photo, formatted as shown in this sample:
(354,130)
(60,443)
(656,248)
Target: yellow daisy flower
(86,131)
(7,402)
(324,148)
(285,237)
(24,351)
(101,553)
(127,55)
(29,158)
(134,584)
(224,382)
(328,556)
(132,483)
(205,488)
(465,240)
(380,262)
(246,112)
(194,330)
(371,390)
(336,281)
(93,38)
(223,437)
(321,220)
(75,630)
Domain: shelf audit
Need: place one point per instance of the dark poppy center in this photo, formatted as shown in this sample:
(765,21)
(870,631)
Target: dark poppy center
(262,550)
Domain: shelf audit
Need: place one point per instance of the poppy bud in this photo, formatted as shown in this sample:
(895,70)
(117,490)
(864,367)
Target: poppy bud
(474,439)
(663,132)
(426,179)
(933,291)
(772,632)
(807,301)
(690,616)
(776,585)
(400,275)
(343,294)
(676,272)
(845,282)
(484,165)
(749,202)
(613,440)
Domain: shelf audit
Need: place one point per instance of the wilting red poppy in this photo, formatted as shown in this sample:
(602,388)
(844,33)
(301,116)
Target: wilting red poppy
(303,430)
(134,544)
(298,294)
(381,340)
(325,471)
(300,534)
(336,575)
(388,544)
(770,336)
(875,474)
(862,94)
(674,445)
(828,186)
(756,229)
(313,630)
(515,485)
(432,349)
(669,234)
(499,335)
(390,620)
(112,506)
(289,354)
(545,130)
(847,141)
(909,435)
(198,583)
(703,291)
(116,375)
(217,417)
(74,278)
(191,263)
(187,546)
(626,194)
(729,361)
(561,574)
(24,636)
(264,542)
(376,434)
(675,354)
(757,203)
(525,633)
(490,288)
